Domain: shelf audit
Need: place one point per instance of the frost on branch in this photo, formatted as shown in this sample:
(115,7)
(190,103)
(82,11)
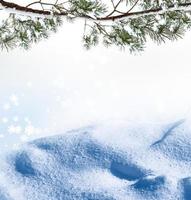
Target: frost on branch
(22,32)
(124,23)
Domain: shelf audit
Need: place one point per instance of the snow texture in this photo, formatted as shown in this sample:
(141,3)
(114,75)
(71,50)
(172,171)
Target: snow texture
(121,161)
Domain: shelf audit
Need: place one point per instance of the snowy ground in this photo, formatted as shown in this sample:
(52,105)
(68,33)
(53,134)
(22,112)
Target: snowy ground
(121,161)
(145,156)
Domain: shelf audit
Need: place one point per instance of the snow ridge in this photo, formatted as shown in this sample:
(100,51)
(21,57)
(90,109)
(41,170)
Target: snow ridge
(86,165)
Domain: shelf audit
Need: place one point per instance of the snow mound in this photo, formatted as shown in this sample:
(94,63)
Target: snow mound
(110,162)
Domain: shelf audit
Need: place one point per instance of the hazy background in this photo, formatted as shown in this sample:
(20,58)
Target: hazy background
(57,85)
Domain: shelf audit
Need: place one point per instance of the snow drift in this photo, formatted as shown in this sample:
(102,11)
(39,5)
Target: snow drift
(121,161)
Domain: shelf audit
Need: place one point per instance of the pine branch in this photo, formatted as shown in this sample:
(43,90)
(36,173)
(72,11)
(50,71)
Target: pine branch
(130,28)
(160,10)
(15,7)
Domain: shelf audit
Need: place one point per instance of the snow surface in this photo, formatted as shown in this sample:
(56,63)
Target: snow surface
(114,161)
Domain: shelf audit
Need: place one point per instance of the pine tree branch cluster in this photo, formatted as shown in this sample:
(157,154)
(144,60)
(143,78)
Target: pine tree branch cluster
(124,23)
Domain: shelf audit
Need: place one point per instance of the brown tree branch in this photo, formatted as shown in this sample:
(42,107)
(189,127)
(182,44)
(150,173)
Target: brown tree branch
(182,6)
(114,8)
(133,6)
(23,8)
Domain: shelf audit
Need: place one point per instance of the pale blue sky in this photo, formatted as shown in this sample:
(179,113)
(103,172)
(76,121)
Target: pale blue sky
(59,85)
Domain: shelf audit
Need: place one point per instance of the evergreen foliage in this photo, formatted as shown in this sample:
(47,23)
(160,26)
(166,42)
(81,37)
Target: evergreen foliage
(18,32)
(124,23)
